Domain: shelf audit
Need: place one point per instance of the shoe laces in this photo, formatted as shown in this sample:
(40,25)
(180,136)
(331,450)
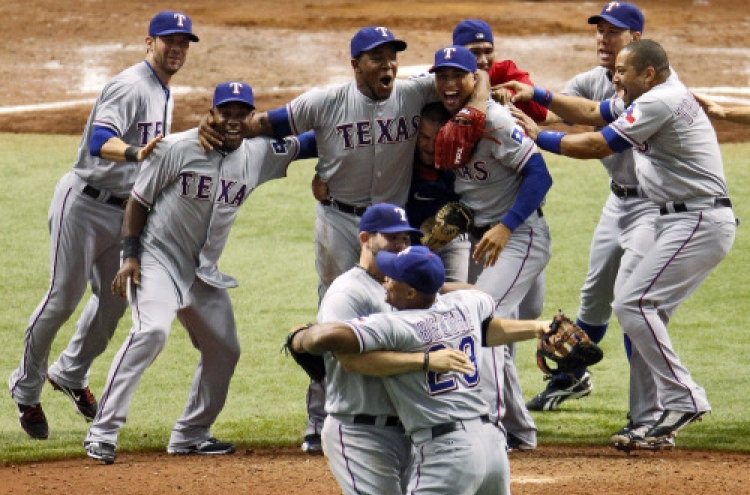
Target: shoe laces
(86,392)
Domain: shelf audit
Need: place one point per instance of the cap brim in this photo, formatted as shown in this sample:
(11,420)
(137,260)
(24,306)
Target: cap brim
(397,230)
(447,64)
(229,100)
(189,35)
(399,44)
(594,19)
(387,264)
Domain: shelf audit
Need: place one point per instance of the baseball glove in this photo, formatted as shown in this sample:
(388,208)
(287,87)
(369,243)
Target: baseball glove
(312,364)
(456,139)
(568,346)
(450,220)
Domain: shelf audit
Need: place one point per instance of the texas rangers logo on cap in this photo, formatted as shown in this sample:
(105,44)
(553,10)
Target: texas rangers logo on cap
(455,56)
(233,91)
(169,22)
(621,14)
(371,37)
(472,30)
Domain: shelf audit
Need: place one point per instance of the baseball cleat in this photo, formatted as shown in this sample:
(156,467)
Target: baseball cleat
(312,445)
(207,447)
(515,444)
(561,388)
(632,437)
(82,398)
(669,423)
(33,421)
(101,451)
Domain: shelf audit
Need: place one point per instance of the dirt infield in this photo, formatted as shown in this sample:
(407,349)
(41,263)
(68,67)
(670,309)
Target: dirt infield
(60,52)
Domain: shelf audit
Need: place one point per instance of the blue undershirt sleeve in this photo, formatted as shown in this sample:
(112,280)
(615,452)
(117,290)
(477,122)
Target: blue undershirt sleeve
(308,147)
(616,143)
(535,183)
(279,119)
(100,136)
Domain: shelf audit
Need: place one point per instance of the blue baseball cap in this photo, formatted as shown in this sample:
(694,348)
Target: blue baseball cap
(385,218)
(416,266)
(472,30)
(455,56)
(621,14)
(374,36)
(233,91)
(170,22)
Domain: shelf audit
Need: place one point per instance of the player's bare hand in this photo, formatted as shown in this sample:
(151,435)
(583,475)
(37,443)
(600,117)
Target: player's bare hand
(129,271)
(529,126)
(501,95)
(523,92)
(208,138)
(319,188)
(712,108)
(445,360)
(481,92)
(146,150)
(491,245)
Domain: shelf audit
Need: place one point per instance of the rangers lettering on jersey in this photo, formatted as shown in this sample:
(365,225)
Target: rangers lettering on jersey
(359,134)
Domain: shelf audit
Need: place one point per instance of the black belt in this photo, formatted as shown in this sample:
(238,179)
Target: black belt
(478,232)
(445,428)
(346,208)
(623,192)
(366,419)
(112,200)
(682,207)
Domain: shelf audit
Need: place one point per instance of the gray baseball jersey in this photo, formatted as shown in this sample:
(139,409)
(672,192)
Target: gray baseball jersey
(679,166)
(490,185)
(353,448)
(194,198)
(366,149)
(660,124)
(426,401)
(85,227)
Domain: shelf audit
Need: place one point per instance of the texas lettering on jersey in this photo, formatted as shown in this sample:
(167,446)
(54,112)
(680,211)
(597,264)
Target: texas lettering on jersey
(385,131)
(199,187)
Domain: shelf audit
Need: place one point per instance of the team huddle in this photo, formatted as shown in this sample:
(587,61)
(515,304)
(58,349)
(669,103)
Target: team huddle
(404,332)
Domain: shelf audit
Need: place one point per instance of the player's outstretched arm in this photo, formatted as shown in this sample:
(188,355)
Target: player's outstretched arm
(584,146)
(571,108)
(387,363)
(322,337)
(117,150)
(503,331)
(738,114)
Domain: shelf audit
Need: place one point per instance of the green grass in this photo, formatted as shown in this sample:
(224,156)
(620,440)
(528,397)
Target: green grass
(271,253)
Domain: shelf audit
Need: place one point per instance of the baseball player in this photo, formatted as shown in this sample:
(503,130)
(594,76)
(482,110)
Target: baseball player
(177,222)
(626,226)
(679,167)
(738,113)
(504,184)
(129,117)
(476,35)
(455,445)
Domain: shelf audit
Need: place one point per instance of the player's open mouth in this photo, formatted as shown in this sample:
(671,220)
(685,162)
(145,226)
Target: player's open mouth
(386,80)
(450,98)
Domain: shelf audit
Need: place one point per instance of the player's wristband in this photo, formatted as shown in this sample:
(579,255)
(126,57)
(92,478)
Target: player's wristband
(550,140)
(131,153)
(426,363)
(542,96)
(131,247)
